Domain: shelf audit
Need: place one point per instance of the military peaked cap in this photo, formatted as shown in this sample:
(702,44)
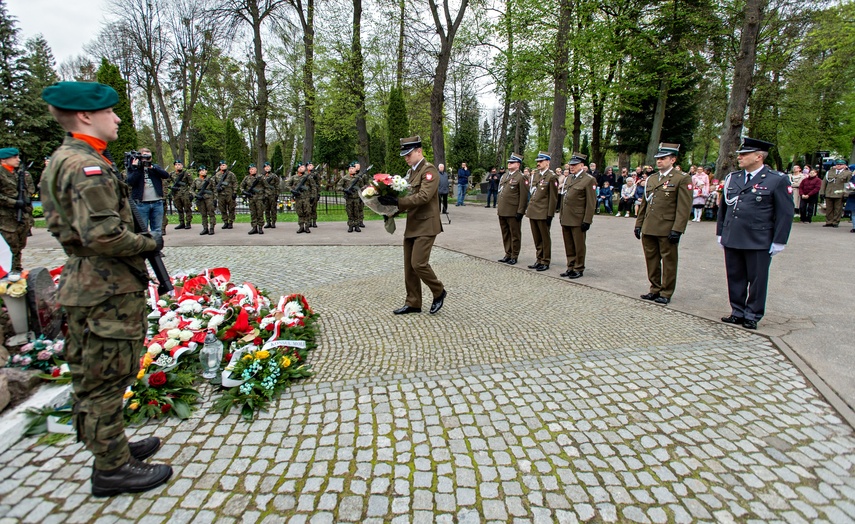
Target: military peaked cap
(80,96)
(666,149)
(753,145)
(409,144)
(577,158)
(515,157)
(543,155)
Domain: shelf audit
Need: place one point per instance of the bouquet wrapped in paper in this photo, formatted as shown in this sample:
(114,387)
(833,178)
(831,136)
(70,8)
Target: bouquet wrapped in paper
(384,185)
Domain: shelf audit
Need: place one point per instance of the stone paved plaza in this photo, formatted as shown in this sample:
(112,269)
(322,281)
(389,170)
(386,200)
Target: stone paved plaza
(526,399)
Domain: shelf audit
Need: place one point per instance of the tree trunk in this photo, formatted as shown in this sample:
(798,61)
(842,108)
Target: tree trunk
(577,118)
(599,105)
(308,80)
(359,86)
(517,132)
(658,120)
(559,99)
(852,153)
(743,78)
(261,80)
(399,66)
(501,150)
(155,124)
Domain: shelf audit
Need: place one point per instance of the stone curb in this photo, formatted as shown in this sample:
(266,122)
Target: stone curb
(14,422)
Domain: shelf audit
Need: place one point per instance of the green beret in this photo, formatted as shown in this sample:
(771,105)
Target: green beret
(252,165)
(202,167)
(9,152)
(80,96)
(266,164)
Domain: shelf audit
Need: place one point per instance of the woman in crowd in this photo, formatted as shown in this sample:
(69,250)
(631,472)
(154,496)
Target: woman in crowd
(639,189)
(700,192)
(808,196)
(627,197)
(796,178)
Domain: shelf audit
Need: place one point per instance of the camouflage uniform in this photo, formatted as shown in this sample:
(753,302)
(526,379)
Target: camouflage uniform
(352,202)
(314,184)
(101,288)
(271,199)
(256,198)
(205,202)
(226,197)
(183,198)
(13,231)
(302,201)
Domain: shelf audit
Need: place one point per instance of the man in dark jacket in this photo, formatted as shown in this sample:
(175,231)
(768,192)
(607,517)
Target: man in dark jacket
(493,187)
(146,181)
(444,187)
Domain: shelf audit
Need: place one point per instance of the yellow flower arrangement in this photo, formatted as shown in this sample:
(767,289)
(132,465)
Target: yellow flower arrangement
(285,362)
(134,406)
(246,357)
(141,374)
(128,394)
(3,288)
(261,355)
(17,289)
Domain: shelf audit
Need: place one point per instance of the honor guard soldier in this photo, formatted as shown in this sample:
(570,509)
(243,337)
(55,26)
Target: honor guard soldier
(541,209)
(513,199)
(203,192)
(16,209)
(271,199)
(833,185)
(182,196)
(360,205)
(577,214)
(315,187)
(103,283)
(298,185)
(253,190)
(754,222)
(226,189)
(662,219)
(350,184)
(423,225)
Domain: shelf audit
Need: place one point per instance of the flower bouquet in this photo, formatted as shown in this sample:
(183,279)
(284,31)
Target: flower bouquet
(158,392)
(38,354)
(384,185)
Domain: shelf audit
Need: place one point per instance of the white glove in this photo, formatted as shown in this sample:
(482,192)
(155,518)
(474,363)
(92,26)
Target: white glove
(776,248)
(718,239)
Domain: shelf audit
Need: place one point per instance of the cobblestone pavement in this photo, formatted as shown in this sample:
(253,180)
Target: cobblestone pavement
(554,402)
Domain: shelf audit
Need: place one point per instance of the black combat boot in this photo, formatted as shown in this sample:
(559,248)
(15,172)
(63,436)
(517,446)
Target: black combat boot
(132,477)
(306,229)
(211,231)
(187,225)
(350,229)
(180,226)
(204,231)
(314,223)
(300,229)
(253,231)
(260,230)
(357,229)
(272,225)
(362,224)
(144,448)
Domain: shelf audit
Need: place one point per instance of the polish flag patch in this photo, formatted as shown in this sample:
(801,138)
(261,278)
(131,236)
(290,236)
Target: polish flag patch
(790,190)
(92,170)
(429,177)
(690,187)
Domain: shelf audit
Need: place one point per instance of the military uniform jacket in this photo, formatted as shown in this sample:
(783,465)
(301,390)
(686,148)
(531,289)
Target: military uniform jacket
(181,182)
(544,195)
(9,196)
(314,184)
(422,202)
(346,180)
(294,181)
(259,190)
(271,181)
(666,204)
(833,184)
(228,188)
(580,200)
(756,214)
(513,194)
(199,183)
(87,210)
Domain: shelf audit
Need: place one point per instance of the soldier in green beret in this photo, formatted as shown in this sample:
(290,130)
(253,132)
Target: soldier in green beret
(182,195)
(253,191)
(16,209)
(298,185)
(203,191)
(351,183)
(271,198)
(226,188)
(102,284)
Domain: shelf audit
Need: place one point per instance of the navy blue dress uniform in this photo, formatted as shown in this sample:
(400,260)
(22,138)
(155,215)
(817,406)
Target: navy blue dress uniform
(754,222)
(542,202)
(513,199)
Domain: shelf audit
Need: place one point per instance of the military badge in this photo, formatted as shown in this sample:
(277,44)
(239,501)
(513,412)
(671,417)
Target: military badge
(429,177)
(689,187)
(92,170)
(790,190)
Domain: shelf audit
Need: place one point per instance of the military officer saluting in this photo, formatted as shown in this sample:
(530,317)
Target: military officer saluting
(253,191)
(662,219)
(577,214)
(541,209)
(103,283)
(203,192)
(754,222)
(271,198)
(181,195)
(833,185)
(513,200)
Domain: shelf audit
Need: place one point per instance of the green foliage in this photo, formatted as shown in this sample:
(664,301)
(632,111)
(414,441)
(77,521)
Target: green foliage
(277,161)
(376,148)
(109,74)
(236,150)
(397,127)
(465,142)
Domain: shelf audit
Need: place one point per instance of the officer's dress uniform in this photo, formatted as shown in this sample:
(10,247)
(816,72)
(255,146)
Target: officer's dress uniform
(15,232)
(833,185)
(226,197)
(577,208)
(666,207)
(541,208)
(513,200)
(203,191)
(755,212)
(254,185)
(271,199)
(182,197)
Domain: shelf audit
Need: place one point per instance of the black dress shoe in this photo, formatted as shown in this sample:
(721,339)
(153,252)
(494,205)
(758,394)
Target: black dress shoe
(566,273)
(511,261)
(749,324)
(650,296)
(144,448)
(575,274)
(534,266)
(132,477)
(732,320)
(542,267)
(437,303)
(407,309)
(504,260)
(662,300)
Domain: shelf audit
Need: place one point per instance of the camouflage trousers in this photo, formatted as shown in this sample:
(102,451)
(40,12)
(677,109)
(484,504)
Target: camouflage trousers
(303,207)
(227,207)
(15,235)
(256,211)
(353,207)
(103,348)
(315,207)
(271,208)
(208,210)
(184,206)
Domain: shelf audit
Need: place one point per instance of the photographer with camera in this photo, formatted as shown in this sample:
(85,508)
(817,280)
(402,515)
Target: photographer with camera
(146,182)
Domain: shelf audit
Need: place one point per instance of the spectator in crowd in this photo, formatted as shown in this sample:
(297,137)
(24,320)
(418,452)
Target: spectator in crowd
(527,174)
(609,177)
(627,197)
(562,178)
(808,196)
(492,187)
(621,178)
(605,197)
(850,199)
(637,174)
(146,181)
(463,175)
(713,199)
(796,178)
(443,189)
(700,192)
(639,191)
(592,170)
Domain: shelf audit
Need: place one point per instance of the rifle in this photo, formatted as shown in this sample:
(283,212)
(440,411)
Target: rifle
(22,190)
(164,285)
(180,182)
(223,181)
(251,191)
(356,179)
(201,194)
(297,191)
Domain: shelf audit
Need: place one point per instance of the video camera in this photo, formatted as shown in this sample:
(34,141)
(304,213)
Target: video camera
(142,158)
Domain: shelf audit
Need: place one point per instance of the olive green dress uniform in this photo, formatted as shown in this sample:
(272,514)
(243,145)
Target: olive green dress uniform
(205,197)
(15,233)
(423,225)
(541,208)
(182,197)
(666,207)
(226,197)
(271,198)
(513,200)
(302,199)
(255,185)
(832,188)
(101,288)
(577,208)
